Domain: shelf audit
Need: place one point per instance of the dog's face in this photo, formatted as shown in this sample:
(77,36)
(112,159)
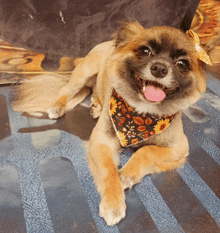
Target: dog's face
(157,69)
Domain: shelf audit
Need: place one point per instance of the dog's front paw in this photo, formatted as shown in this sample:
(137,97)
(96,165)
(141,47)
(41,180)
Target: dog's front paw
(127,181)
(55,112)
(112,213)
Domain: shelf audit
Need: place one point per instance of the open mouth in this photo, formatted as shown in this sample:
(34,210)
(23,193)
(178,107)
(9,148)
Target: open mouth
(154,91)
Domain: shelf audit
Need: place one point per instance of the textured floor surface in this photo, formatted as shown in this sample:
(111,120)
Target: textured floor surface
(45,184)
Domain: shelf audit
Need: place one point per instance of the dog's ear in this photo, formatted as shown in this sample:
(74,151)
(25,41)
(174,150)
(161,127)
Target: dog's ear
(129,29)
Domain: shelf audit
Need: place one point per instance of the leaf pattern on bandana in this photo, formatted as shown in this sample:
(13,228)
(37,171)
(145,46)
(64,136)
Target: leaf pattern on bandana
(131,127)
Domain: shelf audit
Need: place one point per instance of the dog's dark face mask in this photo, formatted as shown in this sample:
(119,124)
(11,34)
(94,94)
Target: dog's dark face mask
(158,68)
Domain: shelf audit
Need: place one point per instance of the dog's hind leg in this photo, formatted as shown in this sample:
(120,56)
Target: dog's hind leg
(83,75)
(54,113)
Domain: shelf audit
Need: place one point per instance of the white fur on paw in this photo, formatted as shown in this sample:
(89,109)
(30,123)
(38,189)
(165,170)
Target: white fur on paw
(36,114)
(54,113)
(111,216)
(127,182)
(95,108)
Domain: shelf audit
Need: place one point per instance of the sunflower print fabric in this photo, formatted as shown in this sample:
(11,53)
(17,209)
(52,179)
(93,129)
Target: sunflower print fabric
(131,127)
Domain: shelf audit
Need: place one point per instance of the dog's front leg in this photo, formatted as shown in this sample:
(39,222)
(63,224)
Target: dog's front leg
(103,158)
(151,159)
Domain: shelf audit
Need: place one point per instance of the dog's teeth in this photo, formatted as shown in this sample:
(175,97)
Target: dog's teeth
(144,87)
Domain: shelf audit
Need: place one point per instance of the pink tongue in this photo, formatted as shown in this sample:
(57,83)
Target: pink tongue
(154,94)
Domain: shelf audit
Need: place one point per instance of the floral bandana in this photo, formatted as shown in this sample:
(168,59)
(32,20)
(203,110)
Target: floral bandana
(131,127)
(201,54)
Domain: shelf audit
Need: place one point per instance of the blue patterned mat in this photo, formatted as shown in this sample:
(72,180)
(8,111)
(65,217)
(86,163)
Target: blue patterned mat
(45,184)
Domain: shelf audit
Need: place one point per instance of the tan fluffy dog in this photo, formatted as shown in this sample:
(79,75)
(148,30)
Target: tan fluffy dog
(152,73)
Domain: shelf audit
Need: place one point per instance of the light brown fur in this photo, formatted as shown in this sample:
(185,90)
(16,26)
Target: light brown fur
(100,70)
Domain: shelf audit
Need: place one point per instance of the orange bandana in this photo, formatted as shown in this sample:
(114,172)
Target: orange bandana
(131,127)
(201,54)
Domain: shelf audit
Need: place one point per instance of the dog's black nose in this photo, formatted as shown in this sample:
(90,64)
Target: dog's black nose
(159,70)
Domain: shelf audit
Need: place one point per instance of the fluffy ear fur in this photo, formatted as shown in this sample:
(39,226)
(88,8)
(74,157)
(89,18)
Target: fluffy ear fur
(128,29)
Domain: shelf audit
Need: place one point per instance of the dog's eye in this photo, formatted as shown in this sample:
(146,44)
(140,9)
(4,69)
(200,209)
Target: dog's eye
(183,64)
(144,51)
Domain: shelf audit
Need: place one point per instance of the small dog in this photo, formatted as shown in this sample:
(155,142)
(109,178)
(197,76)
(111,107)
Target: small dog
(142,81)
